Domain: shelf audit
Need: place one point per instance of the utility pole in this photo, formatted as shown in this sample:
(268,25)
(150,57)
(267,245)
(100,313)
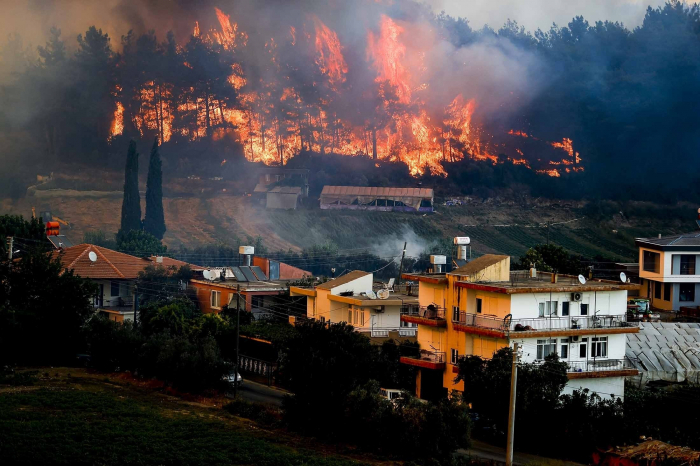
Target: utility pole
(10,245)
(238,335)
(403,254)
(511,410)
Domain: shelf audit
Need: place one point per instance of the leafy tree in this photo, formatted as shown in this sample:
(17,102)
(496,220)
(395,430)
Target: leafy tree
(548,258)
(31,231)
(42,309)
(140,243)
(154,221)
(131,205)
(98,238)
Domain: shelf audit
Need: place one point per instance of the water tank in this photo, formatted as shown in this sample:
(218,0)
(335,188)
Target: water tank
(246,250)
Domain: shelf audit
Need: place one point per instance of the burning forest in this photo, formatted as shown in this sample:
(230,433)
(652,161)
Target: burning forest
(389,82)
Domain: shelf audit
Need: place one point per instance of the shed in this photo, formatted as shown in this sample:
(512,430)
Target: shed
(376,198)
(283,197)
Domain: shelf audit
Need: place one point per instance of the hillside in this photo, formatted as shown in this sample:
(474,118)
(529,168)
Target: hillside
(218,212)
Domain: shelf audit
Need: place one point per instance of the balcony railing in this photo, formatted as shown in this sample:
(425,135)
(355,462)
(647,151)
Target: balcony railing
(384,331)
(426,355)
(426,312)
(542,323)
(600,365)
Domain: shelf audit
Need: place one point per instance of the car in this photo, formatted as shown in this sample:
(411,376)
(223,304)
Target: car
(233,379)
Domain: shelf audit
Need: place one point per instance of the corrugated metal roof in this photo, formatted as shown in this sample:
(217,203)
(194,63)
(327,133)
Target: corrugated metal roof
(286,190)
(686,239)
(668,351)
(376,191)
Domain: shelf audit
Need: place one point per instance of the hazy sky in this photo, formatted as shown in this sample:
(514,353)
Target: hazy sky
(541,14)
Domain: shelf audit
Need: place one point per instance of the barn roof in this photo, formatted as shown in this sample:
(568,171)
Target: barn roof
(376,191)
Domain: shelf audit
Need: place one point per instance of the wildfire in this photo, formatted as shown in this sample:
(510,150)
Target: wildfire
(274,120)
(330,56)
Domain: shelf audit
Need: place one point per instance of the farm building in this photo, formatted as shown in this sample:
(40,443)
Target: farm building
(283,197)
(370,198)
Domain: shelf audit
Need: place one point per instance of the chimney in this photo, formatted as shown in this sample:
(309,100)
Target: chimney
(247,253)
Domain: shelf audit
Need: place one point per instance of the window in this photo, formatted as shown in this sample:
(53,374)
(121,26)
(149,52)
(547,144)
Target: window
(582,348)
(546,347)
(565,308)
(455,314)
(215,300)
(687,264)
(349,316)
(650,261)
(258,301)
(686,292)
(564,353)
(408,324)
(584,309)
(478,305)
(548,308)
(667,292)
(114,289)
(455,356)
(599,347)
(657,290)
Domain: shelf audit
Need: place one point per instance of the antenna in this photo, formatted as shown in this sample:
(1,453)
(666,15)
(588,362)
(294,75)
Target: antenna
(370,294)
(623,277)
(92,256)
(207,274)
(383,294)
(582,279)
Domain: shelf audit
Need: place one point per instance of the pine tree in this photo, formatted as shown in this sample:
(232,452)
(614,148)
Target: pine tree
(131,205)
(154,221)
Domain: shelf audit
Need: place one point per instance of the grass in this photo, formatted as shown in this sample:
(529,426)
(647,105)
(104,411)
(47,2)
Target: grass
(73,423)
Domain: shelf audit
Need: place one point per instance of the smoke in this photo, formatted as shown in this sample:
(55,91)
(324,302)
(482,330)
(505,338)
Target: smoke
(541,14)
(392,245)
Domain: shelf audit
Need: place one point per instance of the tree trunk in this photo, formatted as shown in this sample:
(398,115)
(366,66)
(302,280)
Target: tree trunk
(374,143)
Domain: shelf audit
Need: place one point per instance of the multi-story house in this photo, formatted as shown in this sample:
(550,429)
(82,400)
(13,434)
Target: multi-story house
(669,270)
(351,299)
(483,306)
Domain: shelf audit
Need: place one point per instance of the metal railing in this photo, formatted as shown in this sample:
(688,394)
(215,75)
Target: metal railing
(599,365)
(384,332)
(427,312)
(541,323)
(426,355)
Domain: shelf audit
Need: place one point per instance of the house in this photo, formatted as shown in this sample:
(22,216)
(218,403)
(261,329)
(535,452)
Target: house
(670,270)
(350,298)
(383,199)
(269,177)
(283,197)
(225,286)
(483,306)
(276,270)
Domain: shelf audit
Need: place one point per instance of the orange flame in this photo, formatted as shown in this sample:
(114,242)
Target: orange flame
(387,52)
(330,56)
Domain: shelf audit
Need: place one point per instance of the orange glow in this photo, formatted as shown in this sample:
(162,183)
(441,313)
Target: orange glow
(293,33)
(522,134)
(118,121)
(566,145)
(329,53)
(553,172)
(387,52)
(229,34)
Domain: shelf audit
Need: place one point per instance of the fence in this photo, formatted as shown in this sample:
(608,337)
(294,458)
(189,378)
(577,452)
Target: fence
(426,312)
(599,365)
(541,323)
(258,367)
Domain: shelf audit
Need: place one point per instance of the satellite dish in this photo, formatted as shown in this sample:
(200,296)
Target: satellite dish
(207,274)
(582,279)
(383,294)
(92,256)
(623,277)
(371,295)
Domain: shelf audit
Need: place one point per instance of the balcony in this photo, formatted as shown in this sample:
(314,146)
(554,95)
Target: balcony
(385,332)
(596,368)
(426,359)
(489,325)
(430,315)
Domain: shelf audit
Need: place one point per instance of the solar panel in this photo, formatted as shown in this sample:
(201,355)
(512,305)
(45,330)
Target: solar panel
(248,273)
(259,273)
(238,274)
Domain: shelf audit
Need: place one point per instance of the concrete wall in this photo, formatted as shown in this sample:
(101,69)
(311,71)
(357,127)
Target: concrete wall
(125,291)
(603,386)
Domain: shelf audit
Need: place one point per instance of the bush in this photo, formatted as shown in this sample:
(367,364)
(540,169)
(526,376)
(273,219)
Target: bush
(261,413)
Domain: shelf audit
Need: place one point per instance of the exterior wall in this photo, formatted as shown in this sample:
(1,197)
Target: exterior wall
(604,387)
(674,304)
(429,293)
(498,272)
(282,201)
(357,286)
(125,291)
(526,305)
(663,265)
(325,206)
(286,271)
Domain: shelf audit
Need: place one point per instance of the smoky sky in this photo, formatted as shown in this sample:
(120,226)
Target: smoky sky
(540,14)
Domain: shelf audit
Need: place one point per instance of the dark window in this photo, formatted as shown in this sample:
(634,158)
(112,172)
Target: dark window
(257,301)
(651,261)
(582,348)
(455,314)
(584,309)
(565,308)
(657,290)
(687,265)
(686,292)
(564,348)
(114,289)
(478,305)
(667,292)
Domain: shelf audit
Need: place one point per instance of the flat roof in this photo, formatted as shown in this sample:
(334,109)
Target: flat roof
(686,241)
(245,286)
(521,282)
(340,281)
(376,191)
(479,264)
(366,301)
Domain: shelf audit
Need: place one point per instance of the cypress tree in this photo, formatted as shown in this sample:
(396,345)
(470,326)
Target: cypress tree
(131,205)
(154,221)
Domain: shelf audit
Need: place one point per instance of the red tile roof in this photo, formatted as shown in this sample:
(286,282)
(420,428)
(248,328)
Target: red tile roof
(169,262)
(109,264)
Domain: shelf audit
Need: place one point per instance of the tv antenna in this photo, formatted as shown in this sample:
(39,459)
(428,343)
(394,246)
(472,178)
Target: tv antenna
(370,294)
(582,279)
(92,256)
(623,277)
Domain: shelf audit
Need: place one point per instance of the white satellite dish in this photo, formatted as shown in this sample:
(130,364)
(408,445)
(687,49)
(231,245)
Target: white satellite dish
(207,274)
(623,277)
(371,295)
(92,256)
(582,279)
(383,294)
